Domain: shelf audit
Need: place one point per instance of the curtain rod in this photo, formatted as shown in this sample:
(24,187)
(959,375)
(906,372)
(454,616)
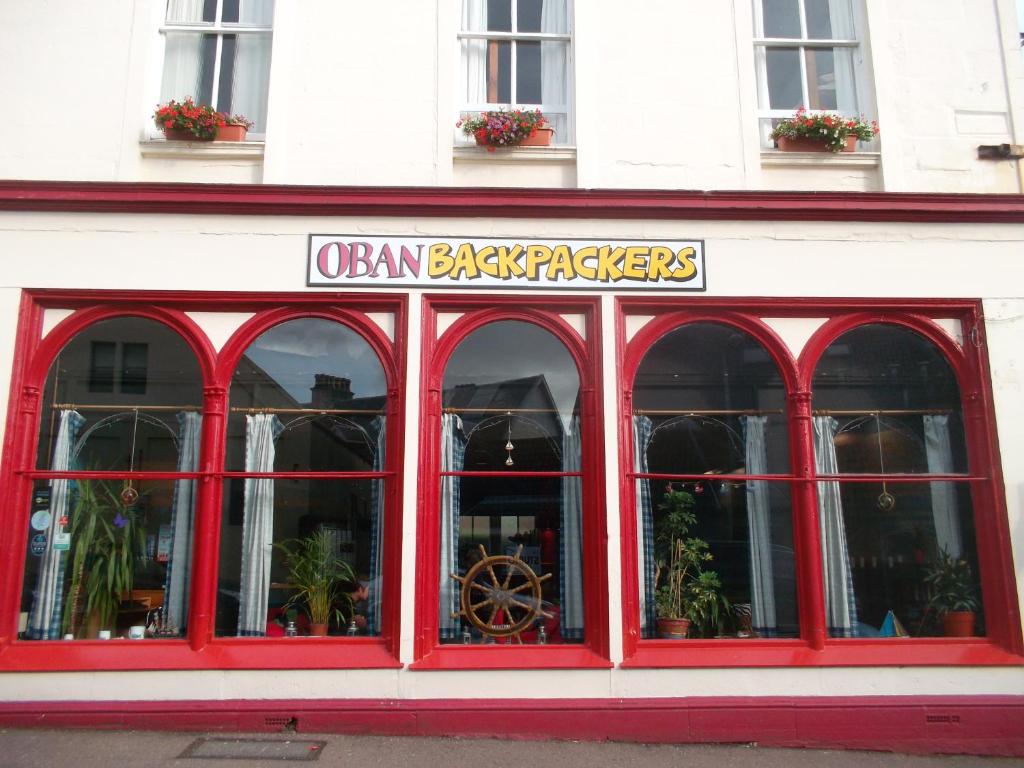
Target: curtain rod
(722,412)
(882,412)
(83,407)
(320,411)
(506,411)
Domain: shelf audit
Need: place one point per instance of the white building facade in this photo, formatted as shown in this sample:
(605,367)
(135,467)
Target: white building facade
(361,331)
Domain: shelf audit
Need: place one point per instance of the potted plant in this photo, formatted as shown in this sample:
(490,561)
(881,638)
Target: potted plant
(187,121)
(822,132)
(687,595)
(954,594)
(508,128)
(319,579)
(106,540)
(234,128)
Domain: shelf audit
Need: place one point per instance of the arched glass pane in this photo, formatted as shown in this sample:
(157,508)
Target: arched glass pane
(886,402)
(113,556)
(709,400)
(308,395)
(511,406)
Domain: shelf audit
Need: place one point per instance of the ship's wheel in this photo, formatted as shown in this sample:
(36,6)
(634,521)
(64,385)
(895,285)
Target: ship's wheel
(501,594)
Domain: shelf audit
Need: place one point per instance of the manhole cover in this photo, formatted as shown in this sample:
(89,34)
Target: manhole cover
(254,749)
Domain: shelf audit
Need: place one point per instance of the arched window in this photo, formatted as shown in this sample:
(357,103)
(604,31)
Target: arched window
(714,542)
(302,526)
(898,548)
(109,554)
(510,483)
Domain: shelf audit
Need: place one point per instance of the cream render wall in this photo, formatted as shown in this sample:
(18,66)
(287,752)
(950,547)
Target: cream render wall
(744,259)
(366,94)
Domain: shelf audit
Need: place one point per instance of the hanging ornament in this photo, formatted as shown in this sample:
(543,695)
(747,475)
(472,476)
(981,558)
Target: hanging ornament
(128,494)
(508,442)
(886,501)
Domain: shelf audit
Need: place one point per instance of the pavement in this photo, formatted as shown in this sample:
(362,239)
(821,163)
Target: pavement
(36,748)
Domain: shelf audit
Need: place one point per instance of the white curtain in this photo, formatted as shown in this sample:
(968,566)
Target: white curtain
(185,11)
(376,533)
(554,68)
(261,430)
(840,602)
(642,430)
(762,578)
(182,66)
(45,617)
(571,555)
(474,52)
(453,454)
(183,510)
(944,505)
(841,20)
(252,78)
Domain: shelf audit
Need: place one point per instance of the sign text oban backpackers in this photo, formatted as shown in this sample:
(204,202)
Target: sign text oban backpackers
(431,262)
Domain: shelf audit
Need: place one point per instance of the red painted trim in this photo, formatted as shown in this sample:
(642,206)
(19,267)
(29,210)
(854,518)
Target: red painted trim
(33,357)
(1003,646)
(280,200)
(542,311)
(979,725)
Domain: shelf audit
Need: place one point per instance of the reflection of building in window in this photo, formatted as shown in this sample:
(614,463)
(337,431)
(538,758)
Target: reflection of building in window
(104,357)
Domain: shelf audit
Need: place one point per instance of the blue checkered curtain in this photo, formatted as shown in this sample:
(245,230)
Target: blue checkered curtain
(453,457)
(45,616)
(944,506)
(762,577)
(183,512)
(642,430)
(840,601)
(571,551)
(376,533)
(261,430)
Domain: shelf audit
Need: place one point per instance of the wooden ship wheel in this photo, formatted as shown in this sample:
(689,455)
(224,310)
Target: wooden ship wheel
(501,595)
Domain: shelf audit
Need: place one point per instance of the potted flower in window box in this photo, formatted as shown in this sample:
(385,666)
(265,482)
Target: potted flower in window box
(688,597)
(235,127)
(187,121)
(954,594)
(822,132)
(508,128)
(321,581)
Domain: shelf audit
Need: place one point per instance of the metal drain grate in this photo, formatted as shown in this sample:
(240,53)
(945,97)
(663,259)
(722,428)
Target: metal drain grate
(254,749)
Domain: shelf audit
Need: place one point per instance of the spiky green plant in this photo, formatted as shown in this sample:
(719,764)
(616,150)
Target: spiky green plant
(317,576)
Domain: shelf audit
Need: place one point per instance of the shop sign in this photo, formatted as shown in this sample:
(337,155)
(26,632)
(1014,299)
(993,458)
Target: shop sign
(430,262)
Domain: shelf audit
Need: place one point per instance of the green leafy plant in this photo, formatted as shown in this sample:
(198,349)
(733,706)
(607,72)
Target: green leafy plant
(828,127)
(318,577)
(237,120)
(951,584)
(502,128)
(106,540)
(686,589)
(200,120)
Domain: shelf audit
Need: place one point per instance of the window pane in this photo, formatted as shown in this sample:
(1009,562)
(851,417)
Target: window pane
(227,73)
(830,79)
(229,11)
(251,77)
(784,88)
(333,530)
(528,73)
(781,18)
(101,366)
(98,563)
(309,364)
(691,385)
(189,11)
(257,12)
(117,432)
(499,15)
(829,19)
(746,528)
(500,515)
(499,72)
(183,70)
(893,554)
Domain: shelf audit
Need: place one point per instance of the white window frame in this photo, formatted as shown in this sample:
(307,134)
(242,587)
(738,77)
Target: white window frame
(219,28)
(473,108)
(864,95)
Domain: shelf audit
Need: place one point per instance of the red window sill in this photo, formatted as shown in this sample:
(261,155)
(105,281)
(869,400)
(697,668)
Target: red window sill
(904,652)
(254,653)
(490,657)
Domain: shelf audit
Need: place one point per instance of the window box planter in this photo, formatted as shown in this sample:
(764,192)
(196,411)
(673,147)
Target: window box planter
(178,134)
(232,133)
(805,144)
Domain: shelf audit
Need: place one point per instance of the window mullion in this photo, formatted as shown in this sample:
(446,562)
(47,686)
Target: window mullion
(804,90)
(218,52)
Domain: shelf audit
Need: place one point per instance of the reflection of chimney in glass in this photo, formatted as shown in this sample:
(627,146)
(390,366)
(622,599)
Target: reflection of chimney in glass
(330,391)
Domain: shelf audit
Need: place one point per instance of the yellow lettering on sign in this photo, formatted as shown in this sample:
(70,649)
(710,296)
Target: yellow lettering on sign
(635,265)
(535,256)
(688,269)
(465,262)
(508,262)
(561,263)
(607,260)
(439,262)
(483,260)
(658,265)
(583,255)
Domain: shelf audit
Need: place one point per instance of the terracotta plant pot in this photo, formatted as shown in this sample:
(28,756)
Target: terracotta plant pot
(232,133)
(804,144)
(958,623)
(542,138)
(673,629)
(176,134)
(318,630)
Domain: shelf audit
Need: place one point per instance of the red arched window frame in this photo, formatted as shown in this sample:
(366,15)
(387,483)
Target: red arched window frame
(200,650)
(1002,645)
(544,312)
